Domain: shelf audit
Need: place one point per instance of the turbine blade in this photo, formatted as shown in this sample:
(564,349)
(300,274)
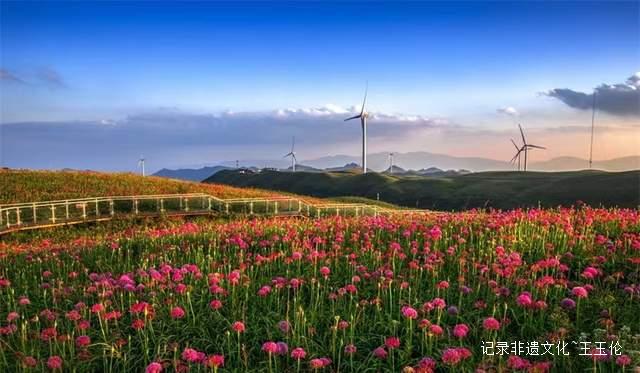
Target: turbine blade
(293,143)
(514,144)
(536,146)
(366,90)
(524,141)
(516,156)
(354,117)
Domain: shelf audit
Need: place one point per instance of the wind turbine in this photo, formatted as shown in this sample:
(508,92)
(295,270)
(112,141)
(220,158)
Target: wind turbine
(292,154)
(526,147)
(517,156)
(593,123)
(141,164)
(363,123)
(391,162)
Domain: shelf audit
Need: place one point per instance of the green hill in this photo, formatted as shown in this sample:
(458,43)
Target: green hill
(504,190)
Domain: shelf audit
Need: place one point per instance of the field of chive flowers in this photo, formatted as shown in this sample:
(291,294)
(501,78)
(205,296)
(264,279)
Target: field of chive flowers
(393,294)
(18,186)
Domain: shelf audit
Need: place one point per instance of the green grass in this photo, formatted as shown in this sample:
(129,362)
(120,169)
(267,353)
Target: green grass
(504,190)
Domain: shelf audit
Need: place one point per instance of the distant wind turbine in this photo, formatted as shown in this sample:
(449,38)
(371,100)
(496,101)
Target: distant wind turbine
(593,121)
(292,154)
(518,152)
(526,146)
(141,164)
(363,122)
(391,162)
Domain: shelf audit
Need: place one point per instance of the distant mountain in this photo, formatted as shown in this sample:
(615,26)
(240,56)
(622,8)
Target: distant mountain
(418,160)
(347,167)
(303,168)
(191,174)
(573,163)
(413,161)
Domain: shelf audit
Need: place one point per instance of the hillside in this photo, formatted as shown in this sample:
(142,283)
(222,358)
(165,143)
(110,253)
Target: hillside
(419,160)
(29,186)
(503,190)
(191,174)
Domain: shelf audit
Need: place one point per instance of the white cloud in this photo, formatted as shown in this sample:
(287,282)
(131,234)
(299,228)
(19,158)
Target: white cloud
(509,110)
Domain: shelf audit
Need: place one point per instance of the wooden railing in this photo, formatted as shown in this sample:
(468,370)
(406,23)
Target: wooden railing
(22,216)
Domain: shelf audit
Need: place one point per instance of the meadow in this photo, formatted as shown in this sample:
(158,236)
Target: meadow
(498,189)
(17,186)
(407,293)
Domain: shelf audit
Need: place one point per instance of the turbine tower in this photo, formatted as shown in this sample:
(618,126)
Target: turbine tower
(593,123)
(292,154)
(363,123)
(391,162)
(141,164)
(526,146)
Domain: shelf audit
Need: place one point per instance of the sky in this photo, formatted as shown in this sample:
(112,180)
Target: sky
(97,84)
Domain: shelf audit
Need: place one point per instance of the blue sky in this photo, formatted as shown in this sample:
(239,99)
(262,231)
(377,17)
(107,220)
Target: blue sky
(455,63)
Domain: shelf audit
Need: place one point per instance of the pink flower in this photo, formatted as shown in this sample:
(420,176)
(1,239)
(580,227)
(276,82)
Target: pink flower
(435,329)
(83,341)
(54,362)
(215,304)
(319,363)
(270,347)
(380,353)
(283,348)
(192,356)
(518,363)
(579,292)
(427,364)
(12,316)
(325,271)
(623,360)
(524,299)
(298,353)
(350,349)
(215,361)
(451,356)
(238,327)
(153,368)
(491,323)
(409,312)
(29,362)
(177,313)
(392,342)
(284,326)
(460,330)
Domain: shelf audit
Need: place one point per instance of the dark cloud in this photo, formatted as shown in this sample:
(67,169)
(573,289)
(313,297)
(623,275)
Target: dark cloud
(8,76)
(617,99)
(51,77)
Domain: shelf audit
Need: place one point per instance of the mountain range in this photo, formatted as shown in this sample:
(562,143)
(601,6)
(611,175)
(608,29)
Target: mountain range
(421,161)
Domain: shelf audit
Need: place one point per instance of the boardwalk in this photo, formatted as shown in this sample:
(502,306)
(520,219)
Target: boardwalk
(34,215)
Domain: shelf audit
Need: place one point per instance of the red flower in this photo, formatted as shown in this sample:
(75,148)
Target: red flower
(177,313)
(54,362)
(215,361)
(238,327)
(491,323)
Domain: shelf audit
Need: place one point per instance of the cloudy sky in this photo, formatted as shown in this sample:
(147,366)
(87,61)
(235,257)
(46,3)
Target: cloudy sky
(94,85)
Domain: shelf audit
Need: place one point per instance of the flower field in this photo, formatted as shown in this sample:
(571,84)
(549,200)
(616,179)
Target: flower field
(18,186)
(403,293)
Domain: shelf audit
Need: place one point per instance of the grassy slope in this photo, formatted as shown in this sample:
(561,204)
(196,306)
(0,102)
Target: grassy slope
(496,189)
(30,186)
